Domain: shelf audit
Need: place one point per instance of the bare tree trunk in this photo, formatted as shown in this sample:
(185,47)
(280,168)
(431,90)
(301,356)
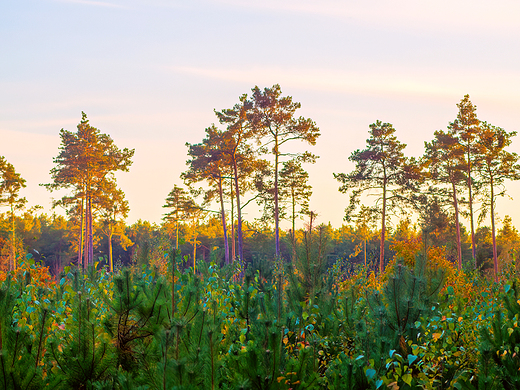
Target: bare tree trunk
(457,226)
(223,215)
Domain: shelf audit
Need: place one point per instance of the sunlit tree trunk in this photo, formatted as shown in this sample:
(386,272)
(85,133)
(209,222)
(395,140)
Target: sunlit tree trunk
(13,241)
(276,206)
(87,223)
(383,231)
(233,243)
(177,231)
(90,233)
(239,213)
(492,207)
(81,231)
(223,216)
(457,226)
(473,241)
(293,200)
(194,253)
(110,255)
(365,250)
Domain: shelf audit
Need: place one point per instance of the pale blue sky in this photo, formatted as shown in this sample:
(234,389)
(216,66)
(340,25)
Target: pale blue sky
(150,73)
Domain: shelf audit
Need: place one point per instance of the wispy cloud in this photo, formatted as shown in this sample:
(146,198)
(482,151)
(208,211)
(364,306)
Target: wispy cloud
(434,15)
(367,83)
(93,3)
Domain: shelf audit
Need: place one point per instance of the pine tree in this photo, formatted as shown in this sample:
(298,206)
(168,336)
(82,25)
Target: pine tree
(20,357)
(86,160)
(113,209)
(465,127)
(208,162)
(83,355)
(294,190)
(495,167)
(443,156)
(138,310)
(180,203)
(383,169)
(499,359)
(273,120)
(10,185)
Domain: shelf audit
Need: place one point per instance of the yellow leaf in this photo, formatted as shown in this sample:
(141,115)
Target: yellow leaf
(436,336)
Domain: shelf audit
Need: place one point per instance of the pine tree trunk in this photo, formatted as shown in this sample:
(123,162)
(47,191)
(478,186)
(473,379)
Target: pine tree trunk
(110,257)
(90,233)
(239,213)
(233,248)
(457,226)
(365,251)
(87,243)
(176,230)
(80,245)
(173,256)
(383,231)
(495,257)
(13,241)
(194,253)
(276,209)
(223,216)
(473,240)
(293,225)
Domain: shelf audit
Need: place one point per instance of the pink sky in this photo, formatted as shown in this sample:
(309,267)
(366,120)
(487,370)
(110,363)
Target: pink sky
(150,73)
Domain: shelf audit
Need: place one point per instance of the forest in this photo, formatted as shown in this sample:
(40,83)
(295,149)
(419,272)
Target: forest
(414,291)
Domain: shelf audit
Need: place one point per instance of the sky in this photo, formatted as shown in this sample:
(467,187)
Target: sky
(150,73)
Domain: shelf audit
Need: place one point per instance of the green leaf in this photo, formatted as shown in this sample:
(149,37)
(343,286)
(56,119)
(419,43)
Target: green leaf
(370,373)
(407,378)
(411,359)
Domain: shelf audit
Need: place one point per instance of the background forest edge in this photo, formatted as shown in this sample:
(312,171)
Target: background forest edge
(268,192)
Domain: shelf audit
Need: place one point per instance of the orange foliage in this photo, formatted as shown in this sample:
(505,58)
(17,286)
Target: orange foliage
(161,262)
(454,278)
(39,275)
(407,249)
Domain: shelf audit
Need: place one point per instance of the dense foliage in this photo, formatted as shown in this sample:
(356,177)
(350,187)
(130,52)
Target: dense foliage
(421,324)
(209,300)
